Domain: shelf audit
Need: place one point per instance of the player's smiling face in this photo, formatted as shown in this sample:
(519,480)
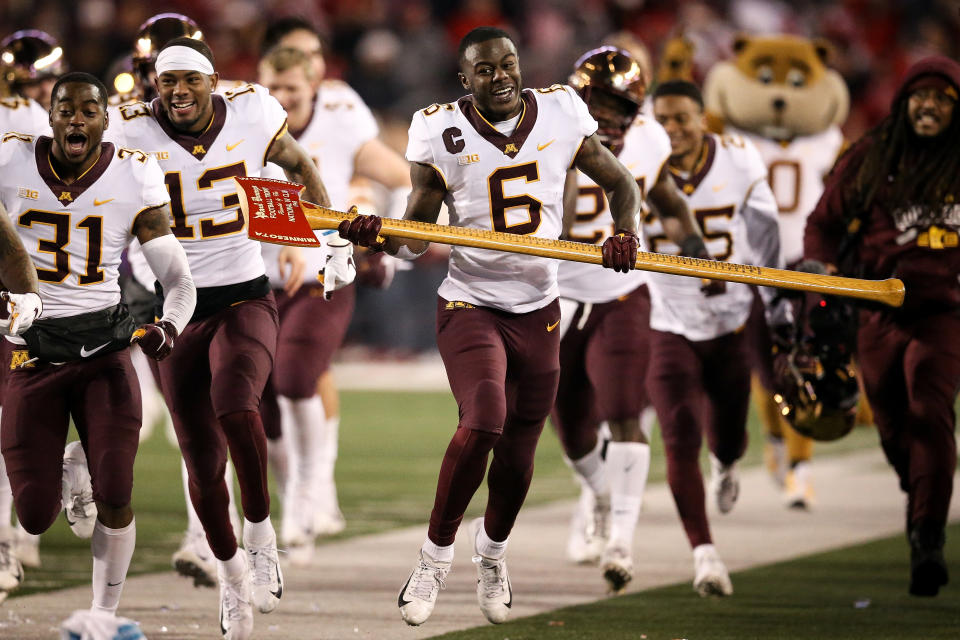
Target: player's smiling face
(930,111)
(292,90)
(77,118)
(185,97)
(684,122)
(491,71)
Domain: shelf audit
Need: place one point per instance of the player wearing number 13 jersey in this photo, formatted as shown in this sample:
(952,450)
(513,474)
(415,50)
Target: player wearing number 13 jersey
(498,158)
(213,383)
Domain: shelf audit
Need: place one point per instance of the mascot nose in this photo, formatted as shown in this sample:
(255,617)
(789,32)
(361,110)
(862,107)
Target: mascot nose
(779,104)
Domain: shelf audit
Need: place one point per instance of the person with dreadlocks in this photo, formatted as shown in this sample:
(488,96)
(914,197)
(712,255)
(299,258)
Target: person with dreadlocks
(890,209)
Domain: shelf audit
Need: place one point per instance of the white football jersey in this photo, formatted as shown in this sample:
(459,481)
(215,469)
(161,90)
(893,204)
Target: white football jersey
(199,171)
(21,115)
(76,232)
(341,123)
(646,148)
(795,172)
(505,183)
(728,184)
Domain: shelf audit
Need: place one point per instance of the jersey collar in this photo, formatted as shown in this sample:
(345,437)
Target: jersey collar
(67,193)
(689,184)
(196,146)
(508,145)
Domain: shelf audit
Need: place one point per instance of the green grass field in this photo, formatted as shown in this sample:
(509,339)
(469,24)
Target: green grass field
(856,593)
(391,444)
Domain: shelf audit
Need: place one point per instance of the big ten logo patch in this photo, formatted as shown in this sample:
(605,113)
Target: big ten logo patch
(29,194)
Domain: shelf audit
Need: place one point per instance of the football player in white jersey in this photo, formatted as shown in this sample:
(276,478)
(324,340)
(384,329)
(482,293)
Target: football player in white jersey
(699,375)
(25,116)
(334,125)
(605,322)
(213,382)
(498,158)
(77,203)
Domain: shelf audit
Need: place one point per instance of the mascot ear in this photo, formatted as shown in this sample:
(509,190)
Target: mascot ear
(823,48)
(740,43)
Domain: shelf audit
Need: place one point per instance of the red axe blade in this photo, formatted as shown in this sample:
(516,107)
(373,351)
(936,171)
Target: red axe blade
(274,213)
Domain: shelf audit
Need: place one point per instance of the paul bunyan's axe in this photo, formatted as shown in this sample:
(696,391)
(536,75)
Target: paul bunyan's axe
(276,214)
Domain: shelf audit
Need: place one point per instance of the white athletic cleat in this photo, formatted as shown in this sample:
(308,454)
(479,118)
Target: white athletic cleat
(27,548)
(236,612)
(11,572)
(798,489)
(494,593)
(266,577)
(78,506)
(617,566)
(419,594)
(296,531)
(724,484)
(589,527)
(710,574)
(194,559)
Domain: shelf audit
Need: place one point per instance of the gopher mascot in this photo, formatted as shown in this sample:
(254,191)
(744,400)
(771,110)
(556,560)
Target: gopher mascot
(778,92)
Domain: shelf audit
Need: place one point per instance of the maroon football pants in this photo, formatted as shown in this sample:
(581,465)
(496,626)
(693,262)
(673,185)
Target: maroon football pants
(212,382)
(603,362)
(503,370)
(911,372)
(698,387)
(102,396)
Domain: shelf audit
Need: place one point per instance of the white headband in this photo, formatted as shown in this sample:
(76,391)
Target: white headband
(180,58)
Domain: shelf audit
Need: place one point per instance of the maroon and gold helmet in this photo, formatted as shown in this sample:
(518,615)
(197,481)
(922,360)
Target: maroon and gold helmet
(30,55)
(614,72)
(151,38)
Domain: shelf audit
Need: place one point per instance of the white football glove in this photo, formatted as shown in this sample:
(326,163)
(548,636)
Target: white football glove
(339,270)
(23,308)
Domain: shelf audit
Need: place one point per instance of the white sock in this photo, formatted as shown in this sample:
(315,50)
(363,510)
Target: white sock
(234,568)
(278,462)
(648,418)
(259,534)
(327,450)
(627,465)
(438,553)
(6,496)
(591,471)
(304,423)
(490,548)
(232,503)
(112,550)
(193,520)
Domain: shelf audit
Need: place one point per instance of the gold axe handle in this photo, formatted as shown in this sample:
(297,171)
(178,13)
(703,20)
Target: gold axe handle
(890,291)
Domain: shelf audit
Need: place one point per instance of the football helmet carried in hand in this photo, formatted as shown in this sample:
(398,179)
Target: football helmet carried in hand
(816,384)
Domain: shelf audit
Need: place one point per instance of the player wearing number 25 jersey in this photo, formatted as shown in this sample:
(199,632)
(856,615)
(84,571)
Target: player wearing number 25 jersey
(498,158)
(699,377)
(77,203)
(213,383)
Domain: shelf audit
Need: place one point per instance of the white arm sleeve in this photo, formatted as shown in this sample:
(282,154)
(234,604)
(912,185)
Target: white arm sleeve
(168,261)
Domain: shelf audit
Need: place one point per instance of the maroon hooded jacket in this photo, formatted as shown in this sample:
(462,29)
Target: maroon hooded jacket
(925,256)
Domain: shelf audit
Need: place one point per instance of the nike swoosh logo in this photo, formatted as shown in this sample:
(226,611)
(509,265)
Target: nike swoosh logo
(719,187)
(114,584)
(86,354)
(509,602)
(97,203)
(231,147)
(541,147)
(279,591)
(551,327)
(400,601)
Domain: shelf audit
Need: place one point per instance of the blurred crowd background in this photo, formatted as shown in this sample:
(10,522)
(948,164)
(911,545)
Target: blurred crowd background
(400,55)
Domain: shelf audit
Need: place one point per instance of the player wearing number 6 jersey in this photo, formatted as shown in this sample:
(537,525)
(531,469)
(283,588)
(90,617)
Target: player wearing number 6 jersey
(498,158)
(77,203)
(214,380)
(699,376)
